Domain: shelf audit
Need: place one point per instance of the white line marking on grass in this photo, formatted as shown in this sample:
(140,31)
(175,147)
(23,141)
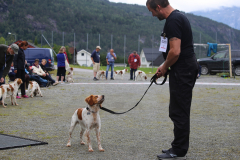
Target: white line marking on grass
(197,83)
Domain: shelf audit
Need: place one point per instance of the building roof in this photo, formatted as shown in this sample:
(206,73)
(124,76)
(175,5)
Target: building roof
(151,53)
(158,61)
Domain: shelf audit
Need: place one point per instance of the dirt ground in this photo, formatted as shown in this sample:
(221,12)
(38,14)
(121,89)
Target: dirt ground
(138,135)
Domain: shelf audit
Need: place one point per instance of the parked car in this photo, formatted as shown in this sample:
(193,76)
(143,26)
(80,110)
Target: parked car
(219,63)
(40,53)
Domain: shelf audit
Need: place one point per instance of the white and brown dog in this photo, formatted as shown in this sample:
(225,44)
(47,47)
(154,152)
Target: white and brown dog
(101,74)
(140,74)
(120,72)
(70,75)
(10,89)
(34,89)
(88,118)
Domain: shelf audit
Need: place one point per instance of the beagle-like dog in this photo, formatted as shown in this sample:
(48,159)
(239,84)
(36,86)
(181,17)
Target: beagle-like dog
(10,89)
(121,73)
(88,118)
(140,74)
(34,89)
(101,74)
(70,75)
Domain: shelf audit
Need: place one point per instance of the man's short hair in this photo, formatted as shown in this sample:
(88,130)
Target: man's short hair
(36,60)
(135,52)
(154,3)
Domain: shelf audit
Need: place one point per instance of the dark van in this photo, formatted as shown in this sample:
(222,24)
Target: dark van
(40,53)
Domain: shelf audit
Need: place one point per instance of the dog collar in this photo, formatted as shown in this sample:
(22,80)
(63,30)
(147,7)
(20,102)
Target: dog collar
(89,110)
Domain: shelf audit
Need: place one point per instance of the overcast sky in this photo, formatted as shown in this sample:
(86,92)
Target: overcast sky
(190,5)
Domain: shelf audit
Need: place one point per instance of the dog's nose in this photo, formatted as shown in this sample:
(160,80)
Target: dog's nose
(102,96)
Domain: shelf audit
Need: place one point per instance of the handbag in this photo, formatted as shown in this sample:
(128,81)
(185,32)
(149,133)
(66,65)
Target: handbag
(67,67)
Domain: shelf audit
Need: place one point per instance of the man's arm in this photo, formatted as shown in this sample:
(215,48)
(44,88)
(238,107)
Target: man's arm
(92,60)
(8,65)
(173,55)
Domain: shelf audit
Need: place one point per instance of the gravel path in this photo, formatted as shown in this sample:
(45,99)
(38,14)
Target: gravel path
(137,135)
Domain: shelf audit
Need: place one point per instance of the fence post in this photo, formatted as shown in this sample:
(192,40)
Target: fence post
(124,49)
(230,59)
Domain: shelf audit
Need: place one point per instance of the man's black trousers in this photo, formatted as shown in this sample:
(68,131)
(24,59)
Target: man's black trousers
(21,74)
(182,79)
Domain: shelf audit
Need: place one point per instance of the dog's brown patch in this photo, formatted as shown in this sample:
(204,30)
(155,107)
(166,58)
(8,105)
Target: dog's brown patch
(126,70)
(12,89)
(79,113)
(69,73)
(91,100)
(71,69)
(121,72)
(139,73)
(19,81)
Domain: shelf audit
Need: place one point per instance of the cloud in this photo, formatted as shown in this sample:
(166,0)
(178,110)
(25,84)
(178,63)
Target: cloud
(191,5)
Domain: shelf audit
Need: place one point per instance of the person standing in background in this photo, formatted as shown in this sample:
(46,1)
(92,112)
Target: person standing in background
(19,67)
(61,65)
(6,58)
(134,63)
(111,57)
(95,57)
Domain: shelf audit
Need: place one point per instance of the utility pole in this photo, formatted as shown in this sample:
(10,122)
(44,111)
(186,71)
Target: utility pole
(99,39)
(74,50)
(124,49)
(139,44)
(52,38)
(111,41)
(41,39)
(87,49)
(152,51)
(216,37)
(63,39)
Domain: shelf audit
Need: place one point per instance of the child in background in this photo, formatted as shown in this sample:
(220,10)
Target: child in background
(11,74)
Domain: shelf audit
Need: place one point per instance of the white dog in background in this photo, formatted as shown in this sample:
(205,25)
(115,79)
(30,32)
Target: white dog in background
(118,72)
(101,74)
(34,89)
(140,74)
(70,75)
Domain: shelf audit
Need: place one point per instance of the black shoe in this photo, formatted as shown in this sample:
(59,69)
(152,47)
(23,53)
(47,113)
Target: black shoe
(112,78)
(48,83)
(95,79)
(165,150)
(169,155)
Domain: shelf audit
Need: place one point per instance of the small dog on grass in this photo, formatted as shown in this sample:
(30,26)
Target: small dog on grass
(140,74)
(101,74)
(70,75)
(10,89)
(34,89)
(89,119)
(120,72)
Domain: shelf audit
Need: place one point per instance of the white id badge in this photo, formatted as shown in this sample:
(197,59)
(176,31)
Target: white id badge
(112,58)
(135,60)
(163,44)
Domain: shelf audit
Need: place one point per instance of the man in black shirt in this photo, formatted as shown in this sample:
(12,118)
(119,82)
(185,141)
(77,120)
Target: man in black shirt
(177,48)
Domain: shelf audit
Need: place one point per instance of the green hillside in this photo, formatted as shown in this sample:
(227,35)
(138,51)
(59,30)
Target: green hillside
(28,18)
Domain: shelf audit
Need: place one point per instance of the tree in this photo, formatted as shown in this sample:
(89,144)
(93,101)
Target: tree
(2,40)
(35,41)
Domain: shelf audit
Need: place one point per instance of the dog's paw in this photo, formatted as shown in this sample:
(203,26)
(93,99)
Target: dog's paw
(101,150)
(90,150)
(68,145)
(82,143)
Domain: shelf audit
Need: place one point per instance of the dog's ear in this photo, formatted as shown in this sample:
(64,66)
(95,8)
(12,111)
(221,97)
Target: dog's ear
(19,81)
(90,100)
(100,105)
